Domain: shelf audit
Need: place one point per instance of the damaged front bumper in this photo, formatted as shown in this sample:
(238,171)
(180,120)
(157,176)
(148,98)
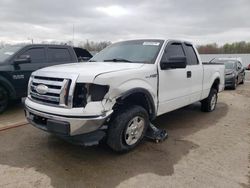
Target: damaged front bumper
(65,125)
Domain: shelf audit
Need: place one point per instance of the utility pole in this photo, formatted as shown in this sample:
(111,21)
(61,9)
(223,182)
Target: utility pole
(32,40)
(73,34)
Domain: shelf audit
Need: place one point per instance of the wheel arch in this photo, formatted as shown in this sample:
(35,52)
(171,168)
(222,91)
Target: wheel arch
(8,86)
(216,84)
(138,96)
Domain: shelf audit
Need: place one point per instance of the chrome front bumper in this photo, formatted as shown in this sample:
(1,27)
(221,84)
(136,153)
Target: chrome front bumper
(65,125)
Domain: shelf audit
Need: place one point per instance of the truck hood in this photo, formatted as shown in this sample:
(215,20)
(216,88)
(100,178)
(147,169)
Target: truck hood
(89,70)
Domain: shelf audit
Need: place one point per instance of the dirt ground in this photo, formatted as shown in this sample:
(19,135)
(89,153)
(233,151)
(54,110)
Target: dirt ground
(203,150)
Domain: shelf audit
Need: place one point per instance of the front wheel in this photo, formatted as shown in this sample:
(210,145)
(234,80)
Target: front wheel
(4,99)
(209,104)
(127,128)
(243,80)
(234,86)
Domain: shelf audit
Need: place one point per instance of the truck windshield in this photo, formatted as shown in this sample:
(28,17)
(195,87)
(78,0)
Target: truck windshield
(135,51)
(7,52)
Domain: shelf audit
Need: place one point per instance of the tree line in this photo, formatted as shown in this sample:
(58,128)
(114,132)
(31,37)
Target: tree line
(228,48)
(88,45)
(232,48)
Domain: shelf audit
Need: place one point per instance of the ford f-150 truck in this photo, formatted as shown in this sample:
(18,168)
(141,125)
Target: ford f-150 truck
(120,91)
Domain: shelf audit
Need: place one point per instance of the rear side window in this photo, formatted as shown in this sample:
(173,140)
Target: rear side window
(59,55)
(37,55)
(173,50)
(191,55)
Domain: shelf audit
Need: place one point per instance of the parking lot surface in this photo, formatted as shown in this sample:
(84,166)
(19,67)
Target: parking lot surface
(203,150)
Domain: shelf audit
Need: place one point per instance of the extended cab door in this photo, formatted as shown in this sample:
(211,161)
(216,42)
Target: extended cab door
(196,72)
(174,84)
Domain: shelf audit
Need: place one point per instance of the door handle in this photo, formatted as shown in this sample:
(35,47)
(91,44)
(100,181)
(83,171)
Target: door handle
(189,74)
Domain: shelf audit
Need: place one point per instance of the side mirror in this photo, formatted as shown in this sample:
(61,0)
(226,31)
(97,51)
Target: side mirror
(175,62)
(22,59)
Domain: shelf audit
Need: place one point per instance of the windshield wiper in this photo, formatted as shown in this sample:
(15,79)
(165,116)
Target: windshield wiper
(92,60)
(116,60)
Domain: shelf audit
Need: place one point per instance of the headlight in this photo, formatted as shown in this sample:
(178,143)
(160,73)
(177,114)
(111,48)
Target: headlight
(85,93)
(29,86)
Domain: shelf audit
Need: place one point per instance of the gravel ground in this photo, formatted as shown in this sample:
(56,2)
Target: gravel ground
(203,150)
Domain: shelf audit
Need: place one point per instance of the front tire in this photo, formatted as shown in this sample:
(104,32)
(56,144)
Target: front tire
(209,104)
(127,128)
(235,84)
(4,99)
(243,80)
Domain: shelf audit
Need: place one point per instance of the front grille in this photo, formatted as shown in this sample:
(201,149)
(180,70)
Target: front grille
(56,90)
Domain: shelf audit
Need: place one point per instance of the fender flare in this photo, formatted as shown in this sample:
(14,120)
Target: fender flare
(218,84)
(8,86)
(148,96)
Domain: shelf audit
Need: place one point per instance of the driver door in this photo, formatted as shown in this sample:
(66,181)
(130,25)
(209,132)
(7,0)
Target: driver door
(174,84)
(23,71)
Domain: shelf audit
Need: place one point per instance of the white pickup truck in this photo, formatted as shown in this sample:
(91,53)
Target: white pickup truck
(116,95)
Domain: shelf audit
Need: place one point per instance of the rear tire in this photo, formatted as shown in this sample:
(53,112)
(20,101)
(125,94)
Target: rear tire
(4,99)
(209,104)
(127,128)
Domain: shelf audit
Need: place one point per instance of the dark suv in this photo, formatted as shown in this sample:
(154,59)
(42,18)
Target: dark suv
(18,62)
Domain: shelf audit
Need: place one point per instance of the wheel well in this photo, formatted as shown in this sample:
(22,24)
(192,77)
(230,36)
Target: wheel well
(216,84)
(1,85)
(140,99)
(8,87)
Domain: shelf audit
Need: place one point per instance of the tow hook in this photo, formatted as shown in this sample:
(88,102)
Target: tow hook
(155,134)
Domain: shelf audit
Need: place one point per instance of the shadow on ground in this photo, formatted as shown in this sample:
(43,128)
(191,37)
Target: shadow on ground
(71,166)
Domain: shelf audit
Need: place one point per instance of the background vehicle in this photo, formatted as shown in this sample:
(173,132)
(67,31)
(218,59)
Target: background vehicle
(120,91)
(234,73)
(18,62)
(248,67)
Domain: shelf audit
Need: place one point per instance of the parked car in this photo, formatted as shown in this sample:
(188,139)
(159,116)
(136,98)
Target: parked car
(121,89)
(234,73)
(19,61)
(248,67)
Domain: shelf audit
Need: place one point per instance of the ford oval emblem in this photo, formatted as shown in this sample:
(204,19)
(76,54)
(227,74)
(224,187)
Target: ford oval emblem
(42,89)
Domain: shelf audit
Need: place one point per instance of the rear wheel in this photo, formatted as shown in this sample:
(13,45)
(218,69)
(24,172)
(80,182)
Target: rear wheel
(127,128)
(4,99)
(209,104)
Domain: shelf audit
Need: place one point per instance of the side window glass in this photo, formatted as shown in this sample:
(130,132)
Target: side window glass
(173,50)
(37,55)
(59,55)
(191,55)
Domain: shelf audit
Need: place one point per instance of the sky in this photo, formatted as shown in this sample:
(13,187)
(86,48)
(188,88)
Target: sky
(199,21)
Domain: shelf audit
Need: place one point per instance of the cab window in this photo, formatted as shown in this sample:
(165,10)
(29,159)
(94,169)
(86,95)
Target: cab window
(173,50)
(191,55)
(59,55)
(37,55)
